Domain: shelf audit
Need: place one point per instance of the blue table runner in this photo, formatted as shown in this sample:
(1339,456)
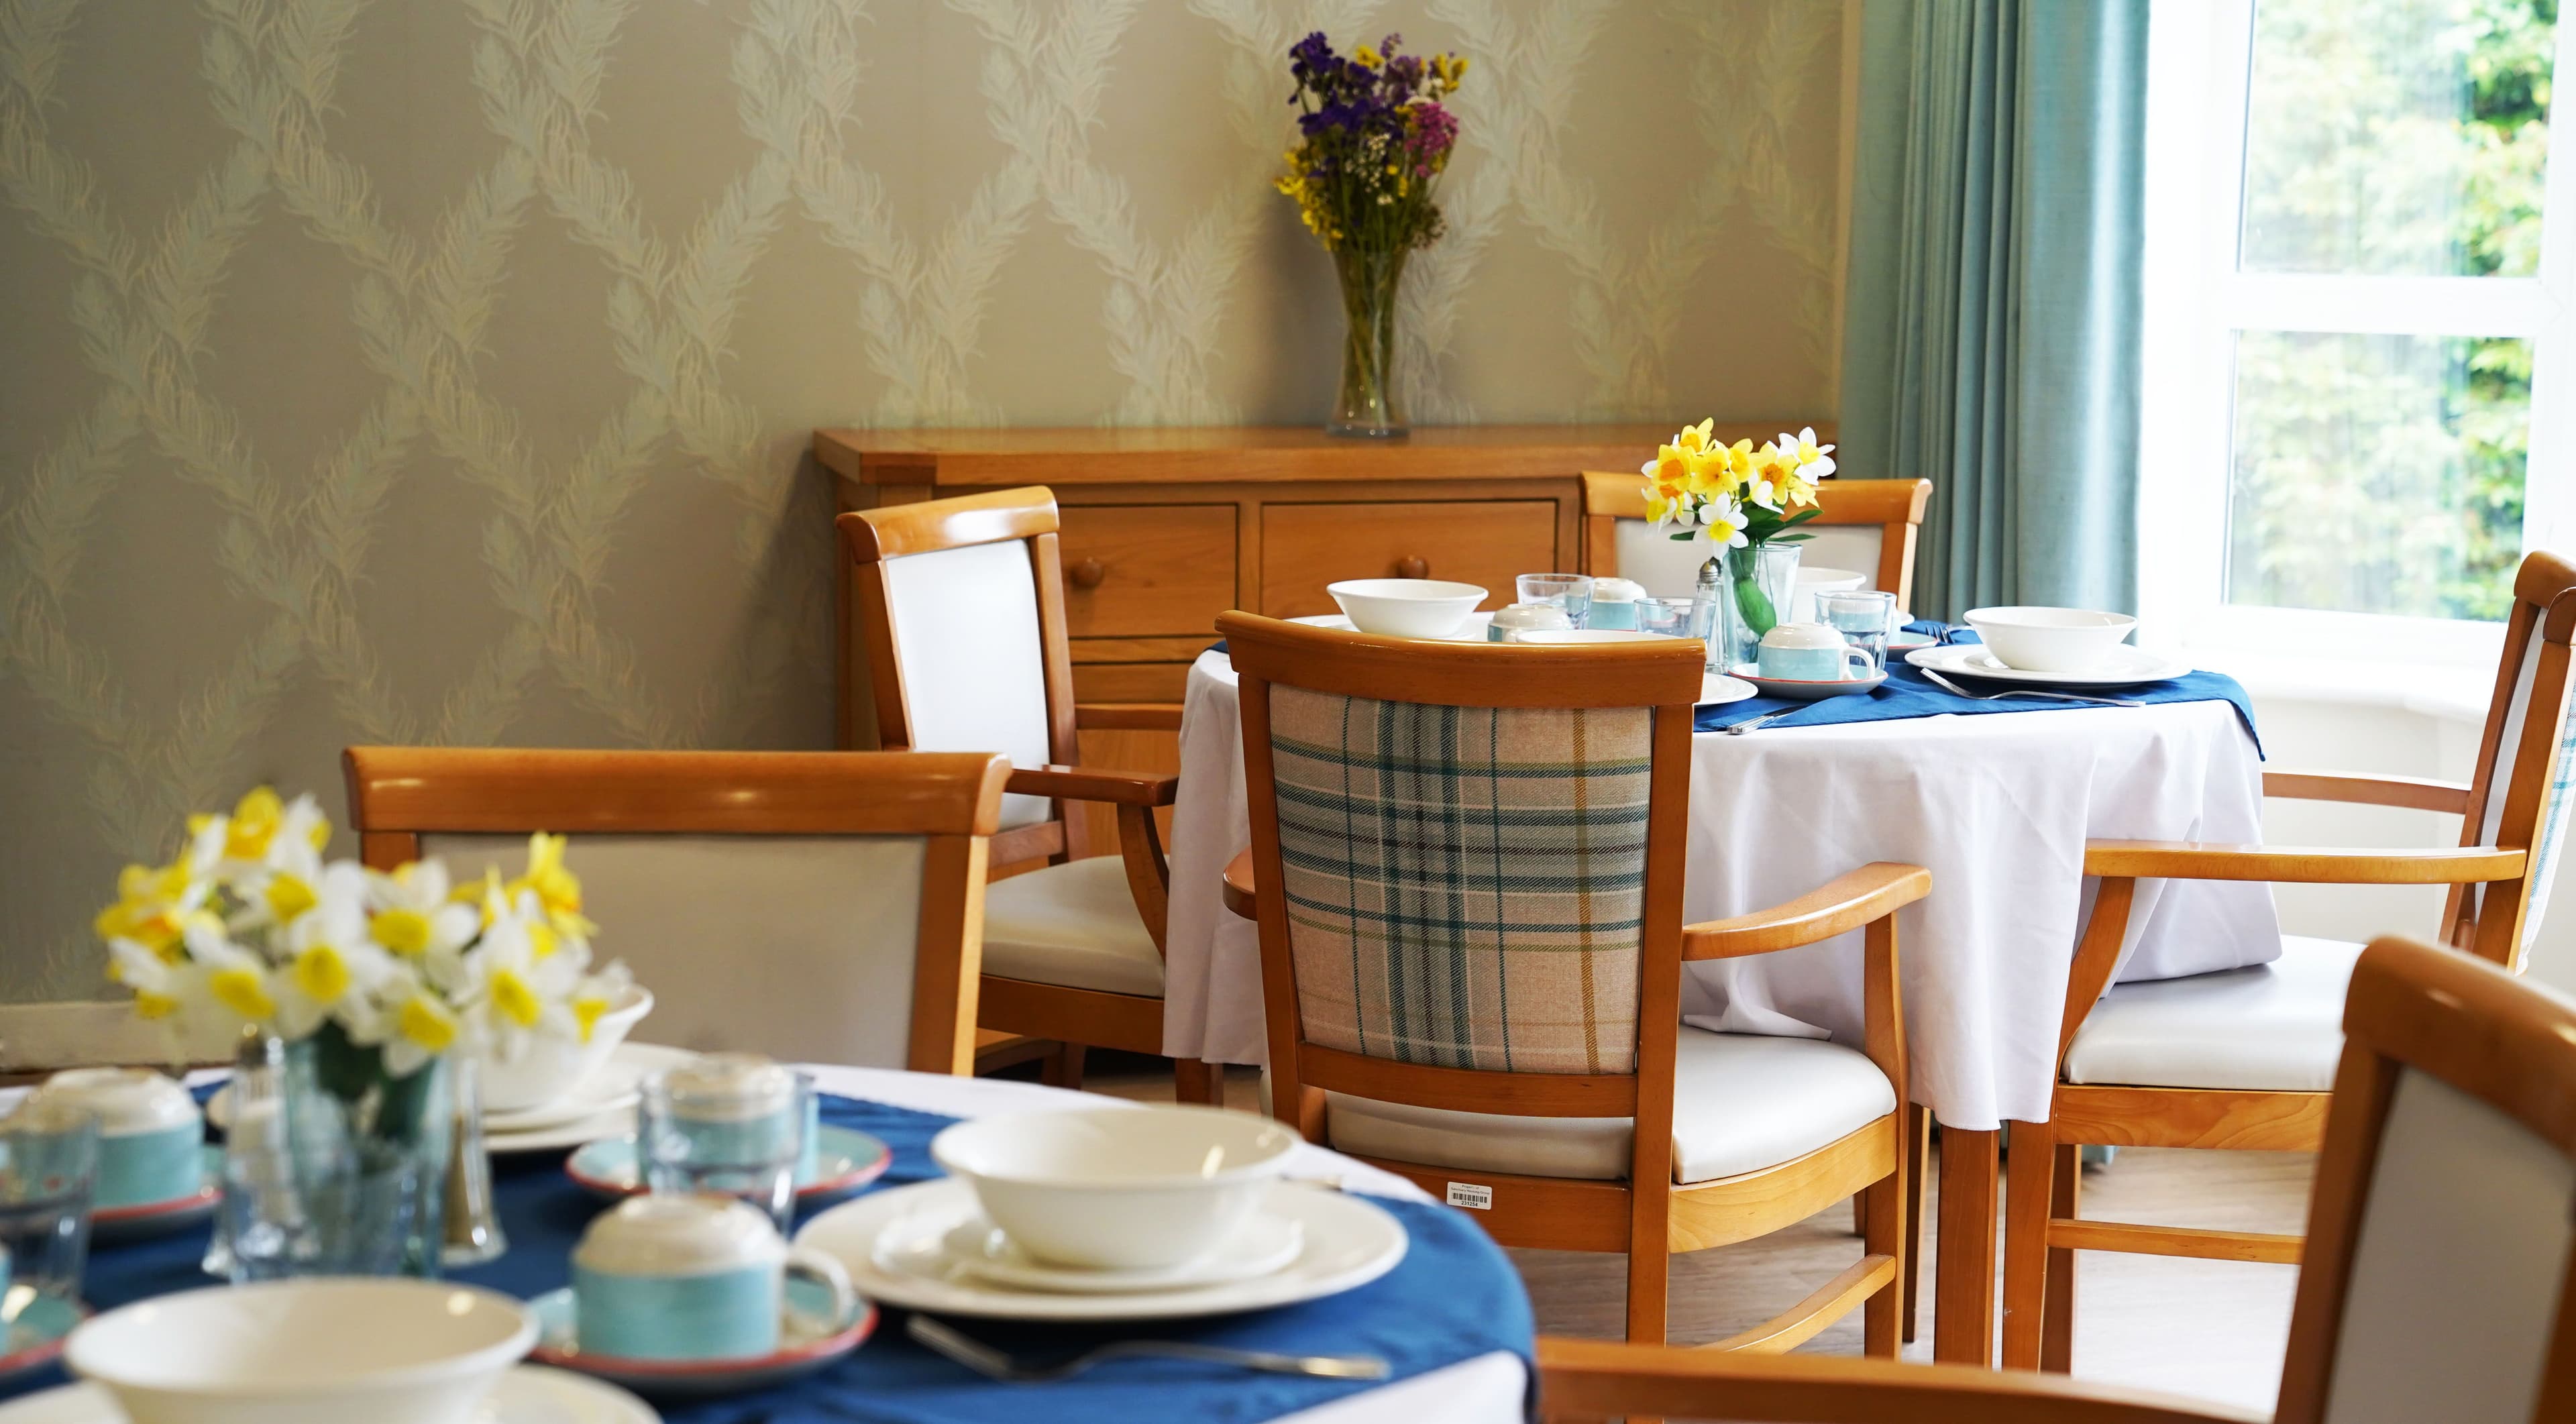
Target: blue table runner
(1454,1297)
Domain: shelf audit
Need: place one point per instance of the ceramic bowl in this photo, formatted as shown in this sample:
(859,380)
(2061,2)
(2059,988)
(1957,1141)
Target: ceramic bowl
(1406,608)
(1128,1190)
(548,1069)
(318,1351)
(2035,639)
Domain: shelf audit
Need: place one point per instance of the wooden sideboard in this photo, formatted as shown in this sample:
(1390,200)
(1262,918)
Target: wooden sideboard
(1166,528)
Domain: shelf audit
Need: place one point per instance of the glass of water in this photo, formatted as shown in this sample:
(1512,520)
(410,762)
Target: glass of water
(1571,592)
(1863,617)
(48,1168)
(1667,616)
(730,1124)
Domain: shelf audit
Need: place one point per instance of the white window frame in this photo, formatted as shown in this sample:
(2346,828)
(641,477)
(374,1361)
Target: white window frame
(2200,62)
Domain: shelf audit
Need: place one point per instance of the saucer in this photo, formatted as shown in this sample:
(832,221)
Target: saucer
(36,1331)
(2125,666)
(1716,689)
(528,1394)
(1263,1244)
(145,1219)
(808,1341)
(844,1161)
(1802,690)
(1348,1242)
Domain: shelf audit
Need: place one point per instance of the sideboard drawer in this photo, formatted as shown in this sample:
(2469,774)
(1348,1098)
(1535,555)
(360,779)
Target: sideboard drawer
(1487,543)
(1136,569)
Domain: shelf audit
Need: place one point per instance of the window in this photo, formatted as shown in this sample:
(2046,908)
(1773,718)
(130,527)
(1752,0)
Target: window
(2358,345)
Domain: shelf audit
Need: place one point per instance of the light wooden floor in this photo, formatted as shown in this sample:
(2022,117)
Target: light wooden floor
(2212,1329)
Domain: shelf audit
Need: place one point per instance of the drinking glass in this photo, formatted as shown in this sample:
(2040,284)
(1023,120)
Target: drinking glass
(1667,616)
(48,1168)
(1571,592)
(697,1136)
(1863,617)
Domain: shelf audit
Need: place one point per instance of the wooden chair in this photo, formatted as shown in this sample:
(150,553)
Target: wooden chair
(1867,526)
(2242,1059)
(2439,1284)
(967,650)
(816,906)
(1472,969)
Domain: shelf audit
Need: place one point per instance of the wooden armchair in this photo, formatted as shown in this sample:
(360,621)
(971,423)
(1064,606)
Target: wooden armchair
(817,906)
(2439,1283)
(2242,1059)
(1865,525)
(967,651)
(1472,957)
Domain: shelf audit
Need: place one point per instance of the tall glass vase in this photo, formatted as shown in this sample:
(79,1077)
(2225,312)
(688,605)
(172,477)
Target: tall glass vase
(1366,406)
(1758,583)
(356,1169)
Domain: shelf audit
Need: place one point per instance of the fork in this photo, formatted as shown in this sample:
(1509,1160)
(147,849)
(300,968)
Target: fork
(984,1360)
(1945,683)
(1740,728)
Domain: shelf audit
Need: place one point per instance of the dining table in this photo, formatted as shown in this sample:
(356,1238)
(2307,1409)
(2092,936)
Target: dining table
(1996,804)
(1451,1318)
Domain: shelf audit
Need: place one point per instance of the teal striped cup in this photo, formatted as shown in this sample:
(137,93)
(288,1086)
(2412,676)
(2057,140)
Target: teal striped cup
(690,1278)
(151,1135)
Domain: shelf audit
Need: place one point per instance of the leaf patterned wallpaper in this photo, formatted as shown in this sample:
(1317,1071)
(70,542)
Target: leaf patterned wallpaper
(441,370)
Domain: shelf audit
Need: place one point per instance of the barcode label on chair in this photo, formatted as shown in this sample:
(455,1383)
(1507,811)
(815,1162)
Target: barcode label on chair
(1471,1196)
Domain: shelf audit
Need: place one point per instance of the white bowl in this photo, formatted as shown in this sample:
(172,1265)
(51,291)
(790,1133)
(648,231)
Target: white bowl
(1125,1190)
(551,1068)
(2035,639)
(1406,608)
(318,1351)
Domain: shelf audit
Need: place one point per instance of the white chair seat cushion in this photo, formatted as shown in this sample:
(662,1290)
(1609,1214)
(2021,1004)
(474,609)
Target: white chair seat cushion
(2274,1027)
(1741,1102)
(1074,925)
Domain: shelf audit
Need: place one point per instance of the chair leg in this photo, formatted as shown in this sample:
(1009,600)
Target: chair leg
(2028,1190)
(1918,1164)
(1649,1282)
(1882,1326)
(1063,1067)
(2057,1335)
(1194,1081)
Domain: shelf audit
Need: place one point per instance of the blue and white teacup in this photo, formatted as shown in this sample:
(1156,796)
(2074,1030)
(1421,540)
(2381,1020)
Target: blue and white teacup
(1614,602)
(740,1109)
(1811,652)
(687,1278)
(151,1135)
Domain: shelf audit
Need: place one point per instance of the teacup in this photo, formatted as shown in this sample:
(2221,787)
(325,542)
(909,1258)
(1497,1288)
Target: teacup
(670,1277)
(742,1108)
(151,1135)
(1810,652)
(1614,602)
(1512,620)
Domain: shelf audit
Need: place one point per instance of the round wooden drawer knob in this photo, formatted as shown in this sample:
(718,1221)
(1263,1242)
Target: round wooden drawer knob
(1413,568)
(1087,574)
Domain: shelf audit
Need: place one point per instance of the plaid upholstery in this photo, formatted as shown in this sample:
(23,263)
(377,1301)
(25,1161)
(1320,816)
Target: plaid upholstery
(1464,884)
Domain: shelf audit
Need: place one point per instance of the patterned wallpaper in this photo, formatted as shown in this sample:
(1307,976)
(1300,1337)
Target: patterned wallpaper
(440,370)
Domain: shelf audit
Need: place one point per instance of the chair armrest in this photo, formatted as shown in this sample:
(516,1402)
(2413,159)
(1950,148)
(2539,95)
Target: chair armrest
(2319,865)
(1593,1379)
(1872,892)
(2414,792)
(1241,893)
(1092,783)
(1127,716)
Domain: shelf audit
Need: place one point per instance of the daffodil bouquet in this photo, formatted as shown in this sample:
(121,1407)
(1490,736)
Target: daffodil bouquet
(249,927)
(1737,497)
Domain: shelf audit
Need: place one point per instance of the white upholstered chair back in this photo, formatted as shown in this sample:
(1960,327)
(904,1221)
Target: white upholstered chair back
(800,947)
(968,639)
(2531,683)
(1669,568)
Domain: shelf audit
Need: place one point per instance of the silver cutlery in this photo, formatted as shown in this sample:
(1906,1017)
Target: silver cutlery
(1937,679)
(1740,728)
(984,1360)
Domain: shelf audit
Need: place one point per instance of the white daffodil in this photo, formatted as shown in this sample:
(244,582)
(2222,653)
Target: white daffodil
(281,888)
(411,914)
(237,979)
(163,988)
(331,966)
(1814,461)
(1761,491)
(263,832)
(1724,522)
(415,1026)
(518,980)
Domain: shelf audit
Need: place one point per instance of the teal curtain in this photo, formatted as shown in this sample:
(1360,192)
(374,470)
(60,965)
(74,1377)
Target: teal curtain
(1991,334)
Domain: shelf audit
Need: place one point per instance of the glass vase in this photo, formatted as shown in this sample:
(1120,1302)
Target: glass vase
(1758,583)
(350,1177)
(1366,405)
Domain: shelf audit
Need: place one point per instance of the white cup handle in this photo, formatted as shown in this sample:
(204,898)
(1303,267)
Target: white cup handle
(827,1271)
(1868,668)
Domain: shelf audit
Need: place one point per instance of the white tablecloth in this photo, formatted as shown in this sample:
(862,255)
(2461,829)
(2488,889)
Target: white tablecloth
(1997,805)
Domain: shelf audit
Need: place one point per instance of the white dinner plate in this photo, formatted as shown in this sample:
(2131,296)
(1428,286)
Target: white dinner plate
(2125,667)
(1349,1242)
(528,1394)
(1716,689)
(1264,1243)
(1471,631)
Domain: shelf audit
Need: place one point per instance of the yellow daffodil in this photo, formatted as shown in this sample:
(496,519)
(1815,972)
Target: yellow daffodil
(1366,58)
(556,888)
(153,906)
